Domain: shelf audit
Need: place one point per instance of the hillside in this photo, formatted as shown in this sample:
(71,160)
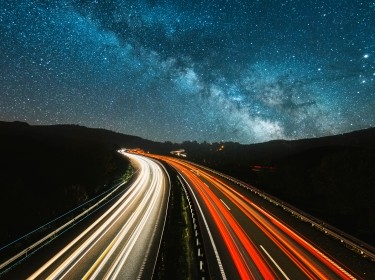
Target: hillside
(56,167)
(331,177)
(46,171)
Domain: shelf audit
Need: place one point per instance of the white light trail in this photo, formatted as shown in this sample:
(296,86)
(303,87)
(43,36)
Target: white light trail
(142,199)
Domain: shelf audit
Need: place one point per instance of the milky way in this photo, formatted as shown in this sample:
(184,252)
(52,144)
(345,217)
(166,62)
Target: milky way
(244,71)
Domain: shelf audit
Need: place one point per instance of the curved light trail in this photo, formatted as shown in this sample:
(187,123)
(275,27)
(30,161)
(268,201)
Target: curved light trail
(133,225)
(260,245)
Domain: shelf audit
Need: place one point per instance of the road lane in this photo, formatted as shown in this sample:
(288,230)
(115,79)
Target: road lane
(260,245)
(297,249)
(123,242)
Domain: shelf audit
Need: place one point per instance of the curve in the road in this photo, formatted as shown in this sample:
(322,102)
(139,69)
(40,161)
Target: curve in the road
(133,226)
(239,222)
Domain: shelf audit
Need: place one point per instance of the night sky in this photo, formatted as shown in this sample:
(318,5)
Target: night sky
(244,71)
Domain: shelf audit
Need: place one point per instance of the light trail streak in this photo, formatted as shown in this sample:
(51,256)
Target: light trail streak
(300,260)
(285,244)
(309,259)
(130,194)
(122,224)
(121,258)
(229,229)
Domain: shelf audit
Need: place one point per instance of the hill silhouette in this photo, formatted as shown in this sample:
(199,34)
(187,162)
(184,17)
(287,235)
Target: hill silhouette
(330,177)
(46,171)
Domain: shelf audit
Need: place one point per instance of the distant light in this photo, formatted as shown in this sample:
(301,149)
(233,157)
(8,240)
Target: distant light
(366,56)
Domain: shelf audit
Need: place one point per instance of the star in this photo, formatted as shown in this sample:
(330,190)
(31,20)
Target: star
(229,71)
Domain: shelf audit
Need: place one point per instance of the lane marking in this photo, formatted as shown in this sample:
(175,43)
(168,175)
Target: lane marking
(224,277)
(165,216)
(274,262)
(207,185)
(225,204)
(125,200)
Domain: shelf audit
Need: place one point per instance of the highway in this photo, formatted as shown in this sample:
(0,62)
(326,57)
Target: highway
(121,243)
(243,240)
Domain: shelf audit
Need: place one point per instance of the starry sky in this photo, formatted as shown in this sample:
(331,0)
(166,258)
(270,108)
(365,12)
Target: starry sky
(239,70)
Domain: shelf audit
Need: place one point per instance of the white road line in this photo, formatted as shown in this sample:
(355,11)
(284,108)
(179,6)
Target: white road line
(108,219)
(123,199)
(207,185)
(224,277)
(274,262)
(225,204)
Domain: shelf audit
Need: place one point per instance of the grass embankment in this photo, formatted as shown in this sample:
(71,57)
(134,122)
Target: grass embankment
(176,256)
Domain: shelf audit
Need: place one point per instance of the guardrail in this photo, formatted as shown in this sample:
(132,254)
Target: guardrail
(351,242)
(49,237)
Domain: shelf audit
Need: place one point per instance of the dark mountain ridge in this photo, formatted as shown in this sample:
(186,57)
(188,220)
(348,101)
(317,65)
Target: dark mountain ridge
(330,177)
(46,171)
(260,152)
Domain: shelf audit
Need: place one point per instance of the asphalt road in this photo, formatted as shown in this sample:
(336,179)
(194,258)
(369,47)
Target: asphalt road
(246,240)
(120,243)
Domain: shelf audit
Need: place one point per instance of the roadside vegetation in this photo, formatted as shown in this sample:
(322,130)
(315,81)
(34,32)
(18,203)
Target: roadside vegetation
(44,176)
(176,258)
